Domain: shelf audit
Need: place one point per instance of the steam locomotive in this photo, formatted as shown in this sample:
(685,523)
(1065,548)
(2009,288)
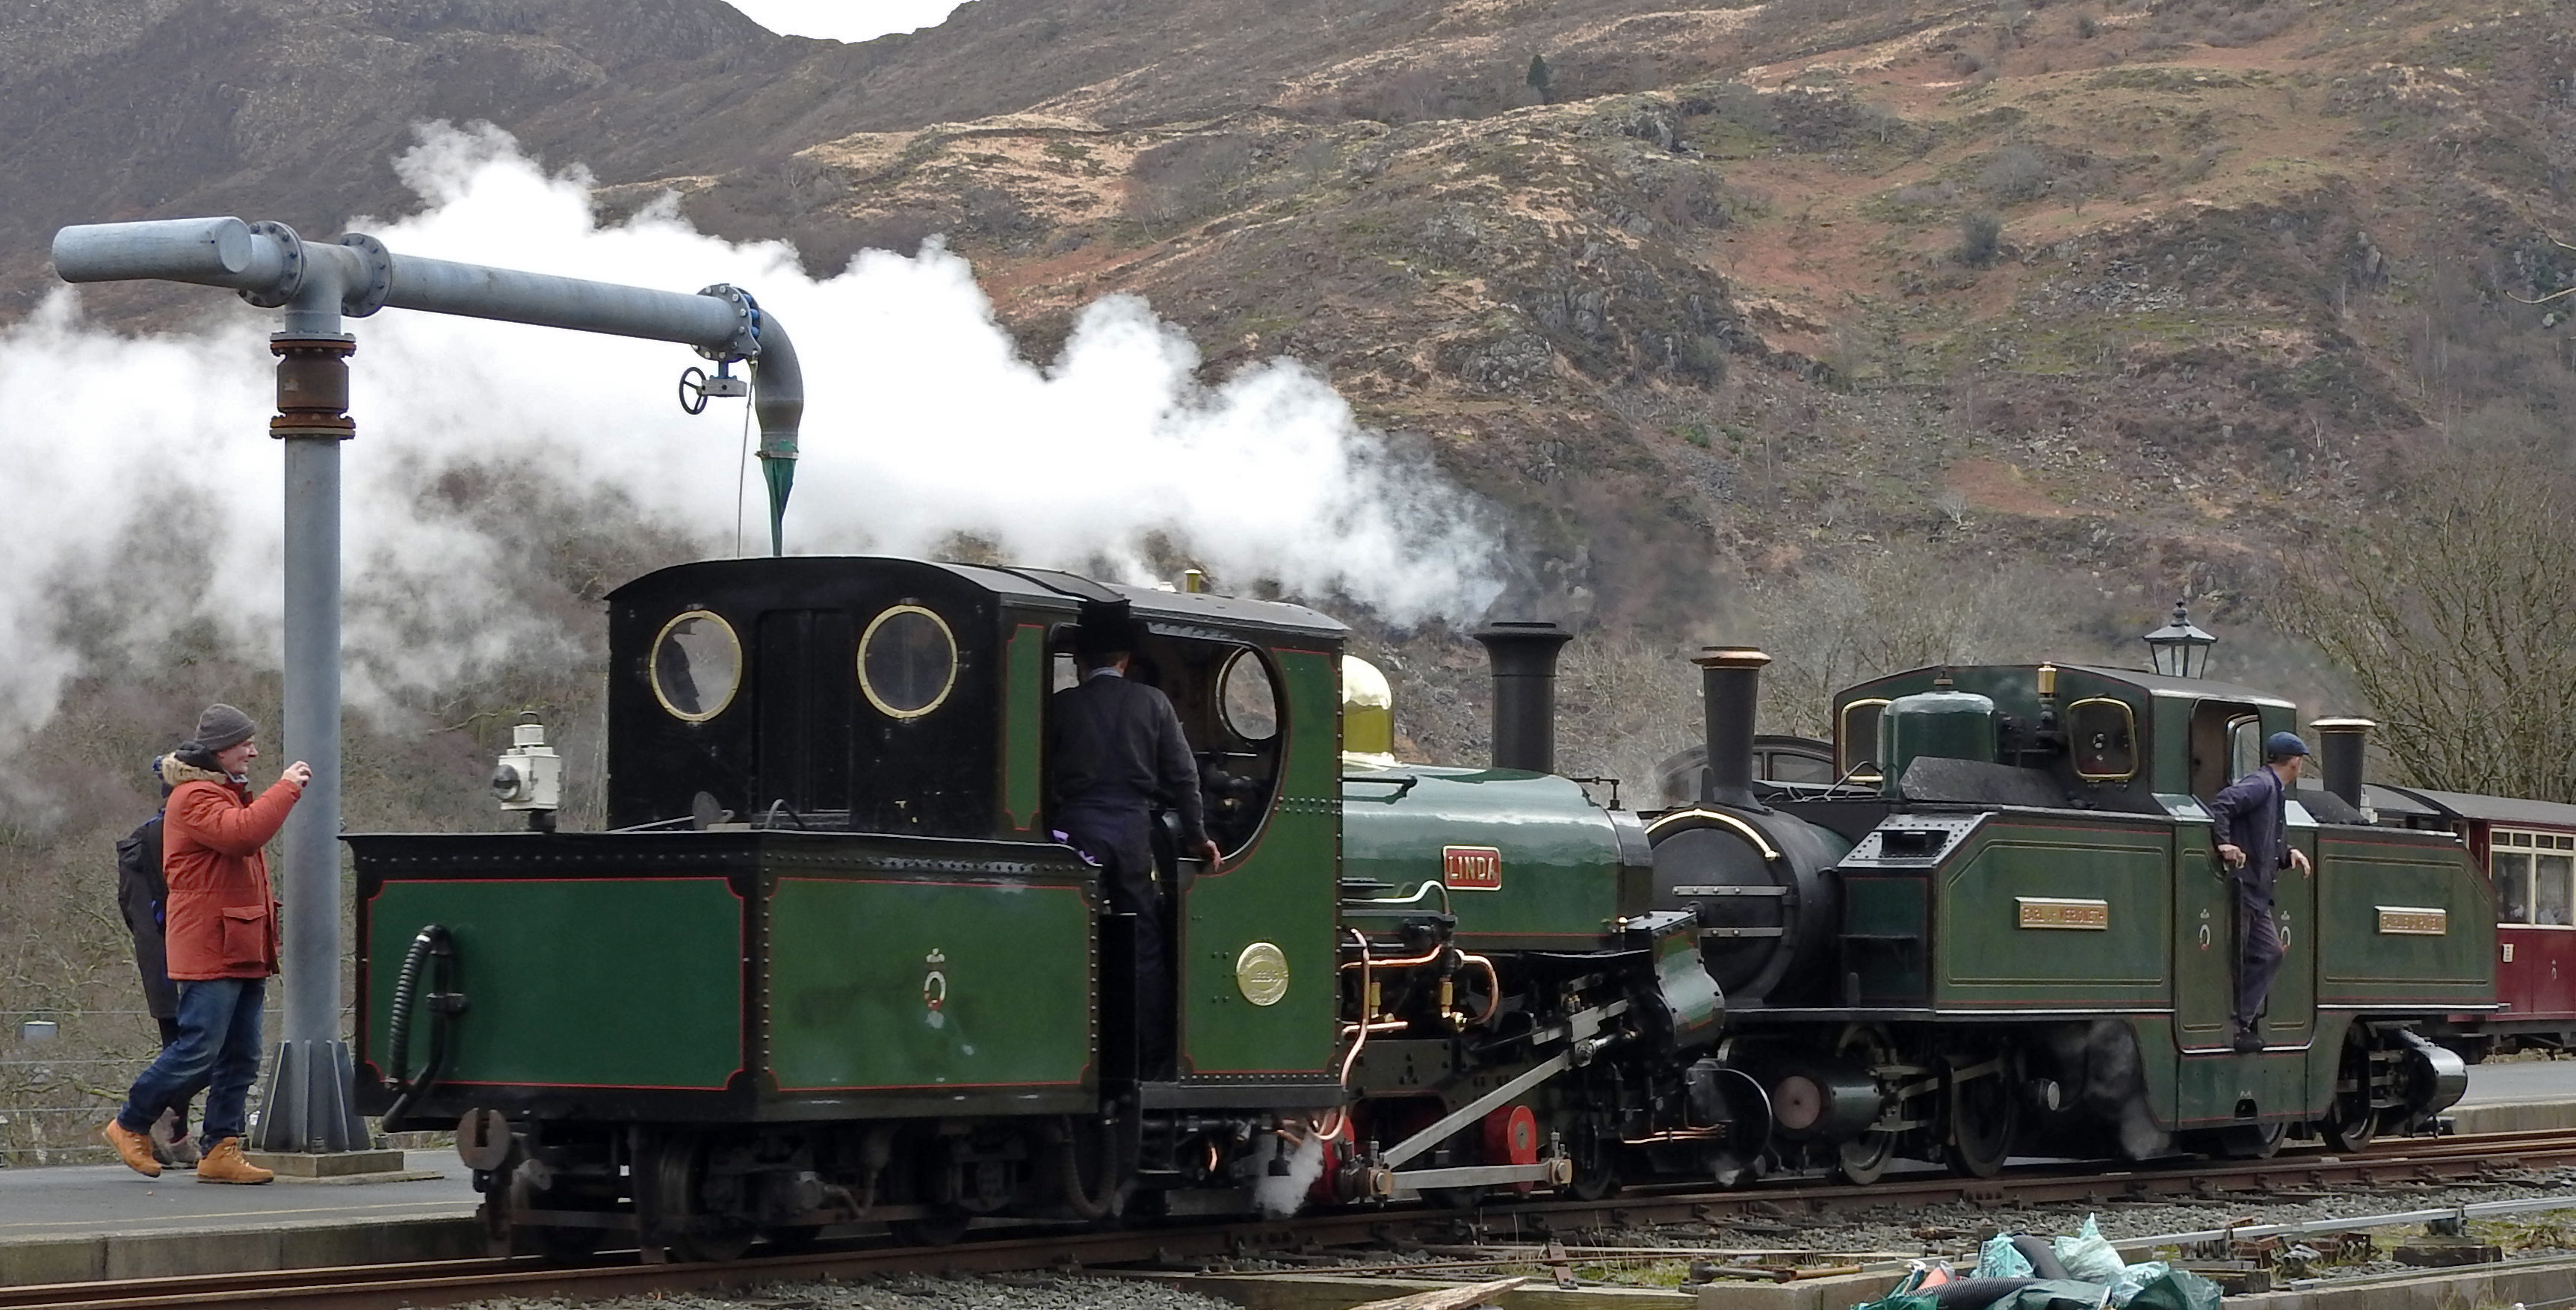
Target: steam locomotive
(828,965)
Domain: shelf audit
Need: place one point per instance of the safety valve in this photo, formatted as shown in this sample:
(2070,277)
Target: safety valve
(529,776)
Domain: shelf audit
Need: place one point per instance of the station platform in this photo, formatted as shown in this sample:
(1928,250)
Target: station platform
(2521,1095)
(68,1223)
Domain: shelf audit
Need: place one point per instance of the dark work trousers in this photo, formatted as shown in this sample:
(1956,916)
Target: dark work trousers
(1122,845)
(2258,952)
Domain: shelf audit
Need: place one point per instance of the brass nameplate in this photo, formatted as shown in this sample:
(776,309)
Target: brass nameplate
(1261,973)
(2414,921)
(2064,912)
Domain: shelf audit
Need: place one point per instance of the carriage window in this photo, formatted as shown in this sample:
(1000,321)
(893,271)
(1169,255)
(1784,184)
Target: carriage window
(697,664)
(2552,895)
(907,662)
(1251,704)
(2512,874)
(2103,734)
(1858,744)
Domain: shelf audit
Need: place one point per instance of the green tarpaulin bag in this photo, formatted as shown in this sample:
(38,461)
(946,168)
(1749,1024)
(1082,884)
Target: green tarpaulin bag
(2180,1289)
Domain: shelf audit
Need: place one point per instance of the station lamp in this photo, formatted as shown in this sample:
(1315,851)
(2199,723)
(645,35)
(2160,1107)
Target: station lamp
(2178,649)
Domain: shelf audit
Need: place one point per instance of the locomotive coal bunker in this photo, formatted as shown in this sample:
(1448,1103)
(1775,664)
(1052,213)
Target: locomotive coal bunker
(829,965)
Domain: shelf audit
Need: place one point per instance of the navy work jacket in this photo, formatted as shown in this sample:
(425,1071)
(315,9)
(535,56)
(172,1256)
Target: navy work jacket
(2252,816)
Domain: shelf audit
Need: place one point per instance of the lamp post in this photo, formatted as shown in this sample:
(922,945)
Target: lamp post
(2178,649)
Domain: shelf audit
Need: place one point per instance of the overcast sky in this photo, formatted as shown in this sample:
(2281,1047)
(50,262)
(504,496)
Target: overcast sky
(845,20)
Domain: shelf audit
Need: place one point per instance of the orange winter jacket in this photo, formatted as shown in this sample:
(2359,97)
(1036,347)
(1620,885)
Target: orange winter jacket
(222,916)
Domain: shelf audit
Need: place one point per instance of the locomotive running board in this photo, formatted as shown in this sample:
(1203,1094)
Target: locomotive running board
(1579,1027)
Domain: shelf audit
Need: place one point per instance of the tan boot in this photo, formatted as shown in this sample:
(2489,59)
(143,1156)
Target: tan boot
(133,1148)
(224,1164)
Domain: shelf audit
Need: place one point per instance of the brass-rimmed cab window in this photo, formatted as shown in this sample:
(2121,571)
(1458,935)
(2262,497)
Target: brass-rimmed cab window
(2102,735)
(1248,697)
(1858,741)
(697,666)
(907,662)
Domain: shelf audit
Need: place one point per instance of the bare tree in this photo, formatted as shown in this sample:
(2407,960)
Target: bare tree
(2455,614)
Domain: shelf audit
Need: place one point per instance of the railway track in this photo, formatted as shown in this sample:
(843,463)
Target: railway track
(2391,1164)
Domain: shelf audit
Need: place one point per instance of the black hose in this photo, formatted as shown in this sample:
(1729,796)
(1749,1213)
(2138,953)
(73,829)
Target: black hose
(1080,1201)
(432,944)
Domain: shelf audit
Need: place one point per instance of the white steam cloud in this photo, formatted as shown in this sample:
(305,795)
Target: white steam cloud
(126,459)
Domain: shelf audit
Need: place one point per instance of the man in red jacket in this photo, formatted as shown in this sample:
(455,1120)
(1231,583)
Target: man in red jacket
(221,925)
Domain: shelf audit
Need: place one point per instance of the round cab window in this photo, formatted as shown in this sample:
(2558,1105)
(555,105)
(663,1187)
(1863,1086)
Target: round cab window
(1251,704)
(907,662)
(697,664)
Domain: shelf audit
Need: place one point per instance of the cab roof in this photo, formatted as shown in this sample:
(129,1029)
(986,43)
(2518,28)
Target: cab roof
(1170,613)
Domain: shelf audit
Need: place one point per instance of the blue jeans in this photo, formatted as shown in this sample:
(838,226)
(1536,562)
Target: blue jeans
(218,1049)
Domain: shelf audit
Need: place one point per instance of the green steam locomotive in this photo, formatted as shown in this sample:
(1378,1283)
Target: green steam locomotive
(829,966)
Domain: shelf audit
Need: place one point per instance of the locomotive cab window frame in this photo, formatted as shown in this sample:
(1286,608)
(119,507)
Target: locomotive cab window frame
(680,651)
(2102,739)
(2221,736)
(893,681)
(1240,773)
(1856,740)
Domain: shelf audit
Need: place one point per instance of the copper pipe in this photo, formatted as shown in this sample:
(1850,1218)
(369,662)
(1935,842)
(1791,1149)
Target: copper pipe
(1407,962)
(1493,987)
(1340,1117)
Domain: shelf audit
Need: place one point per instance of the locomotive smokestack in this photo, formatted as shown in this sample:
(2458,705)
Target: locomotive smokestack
(2339,747)
(1731,686)
(1523,654)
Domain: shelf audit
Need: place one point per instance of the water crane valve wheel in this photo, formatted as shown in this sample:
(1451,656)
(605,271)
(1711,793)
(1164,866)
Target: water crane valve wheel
(529,775)
(696,388)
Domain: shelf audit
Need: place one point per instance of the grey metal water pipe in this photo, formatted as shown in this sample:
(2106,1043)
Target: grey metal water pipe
(307,1106)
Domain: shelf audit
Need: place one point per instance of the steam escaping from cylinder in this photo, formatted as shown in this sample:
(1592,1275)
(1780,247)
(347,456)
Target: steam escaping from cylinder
(142,482)
(1279,1195)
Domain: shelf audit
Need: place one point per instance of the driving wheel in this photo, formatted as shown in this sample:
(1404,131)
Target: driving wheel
(1983,1114)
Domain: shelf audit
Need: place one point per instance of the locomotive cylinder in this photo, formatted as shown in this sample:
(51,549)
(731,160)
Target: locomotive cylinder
(1523,654)
(2340,745)
(1731,692)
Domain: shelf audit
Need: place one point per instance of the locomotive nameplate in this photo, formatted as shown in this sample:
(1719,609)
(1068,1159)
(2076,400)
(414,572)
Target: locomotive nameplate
(2414,921)
(1472,868)
(1261,973)
(2064,912)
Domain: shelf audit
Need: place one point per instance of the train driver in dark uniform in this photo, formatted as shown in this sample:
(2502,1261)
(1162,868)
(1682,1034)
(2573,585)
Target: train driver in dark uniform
(2251,819)
(1115,750)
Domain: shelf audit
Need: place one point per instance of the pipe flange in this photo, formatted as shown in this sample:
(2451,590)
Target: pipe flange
(290,275)
(366,294)
(745,342)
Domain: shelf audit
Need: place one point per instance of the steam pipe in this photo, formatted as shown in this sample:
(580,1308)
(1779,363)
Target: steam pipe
(1731,692)
(1523,654)
(2340,743)
(271,266)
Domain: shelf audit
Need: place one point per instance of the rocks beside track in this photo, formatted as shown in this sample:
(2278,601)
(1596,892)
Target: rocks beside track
(909,1292)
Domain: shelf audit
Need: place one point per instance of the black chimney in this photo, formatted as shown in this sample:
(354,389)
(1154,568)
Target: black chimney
(1731,686)
(1523,654)
(2339,749)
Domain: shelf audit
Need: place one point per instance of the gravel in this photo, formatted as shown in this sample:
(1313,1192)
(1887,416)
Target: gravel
(998,1292)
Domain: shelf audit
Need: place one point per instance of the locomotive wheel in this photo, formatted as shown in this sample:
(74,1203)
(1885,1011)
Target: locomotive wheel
(1861,1160)
(2252,1141)
(1983,1116)
(679,1178)
(2353,1121)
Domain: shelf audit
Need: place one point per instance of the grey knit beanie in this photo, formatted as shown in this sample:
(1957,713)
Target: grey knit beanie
(222,727)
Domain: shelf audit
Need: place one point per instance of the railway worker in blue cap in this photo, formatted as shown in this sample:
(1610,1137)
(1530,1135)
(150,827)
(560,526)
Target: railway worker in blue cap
(1115,751)
(2251,826)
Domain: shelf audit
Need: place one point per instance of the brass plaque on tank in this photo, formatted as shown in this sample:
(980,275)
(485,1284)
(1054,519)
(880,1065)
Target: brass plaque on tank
(2414,921)
(2064,912)
(1261,973)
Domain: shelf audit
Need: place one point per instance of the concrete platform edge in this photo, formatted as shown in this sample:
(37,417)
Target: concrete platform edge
(183,1252)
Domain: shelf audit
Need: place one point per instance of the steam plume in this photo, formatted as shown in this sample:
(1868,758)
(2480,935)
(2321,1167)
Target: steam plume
(138,463)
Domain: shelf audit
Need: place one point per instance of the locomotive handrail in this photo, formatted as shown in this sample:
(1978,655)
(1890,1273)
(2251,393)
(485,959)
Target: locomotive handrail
(1402,783)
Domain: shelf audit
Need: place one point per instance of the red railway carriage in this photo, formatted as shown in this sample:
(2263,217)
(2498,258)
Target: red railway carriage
(2528,849)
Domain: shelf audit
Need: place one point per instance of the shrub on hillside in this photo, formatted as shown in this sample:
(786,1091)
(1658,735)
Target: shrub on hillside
(1981,238)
